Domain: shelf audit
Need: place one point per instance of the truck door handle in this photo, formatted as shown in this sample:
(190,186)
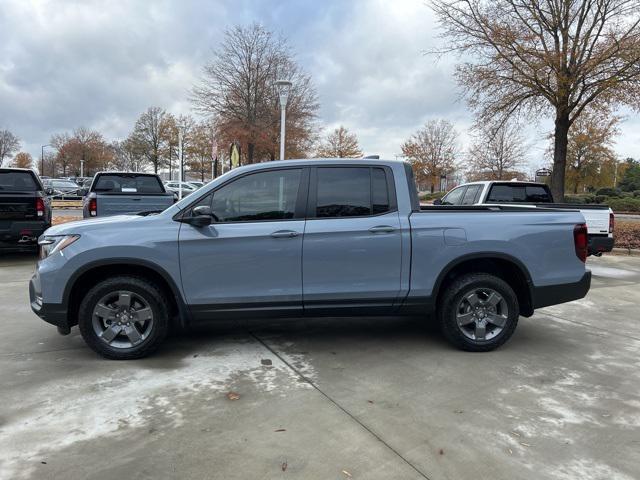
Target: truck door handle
(285,234)
(382,229)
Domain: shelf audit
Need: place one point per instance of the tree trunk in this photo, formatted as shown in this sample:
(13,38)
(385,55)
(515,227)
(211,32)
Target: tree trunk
(250,148)
(560,155)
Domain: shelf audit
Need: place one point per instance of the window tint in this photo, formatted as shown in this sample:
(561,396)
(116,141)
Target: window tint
(471,194)
(454,197)
(519,194)
(129,183)
(343,192)
(379,191)
(17,182)
(259,196)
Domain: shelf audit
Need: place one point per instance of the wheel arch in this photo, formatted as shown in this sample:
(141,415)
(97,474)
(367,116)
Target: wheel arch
(505,266)
(85,277)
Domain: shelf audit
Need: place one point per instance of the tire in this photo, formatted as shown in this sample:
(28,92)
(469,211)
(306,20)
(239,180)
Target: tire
(478,312)
(129,311)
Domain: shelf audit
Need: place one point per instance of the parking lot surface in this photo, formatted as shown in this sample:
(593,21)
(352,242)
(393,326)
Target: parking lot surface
(330,398)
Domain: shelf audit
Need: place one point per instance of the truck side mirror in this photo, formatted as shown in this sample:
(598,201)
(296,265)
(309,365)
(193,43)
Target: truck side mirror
(437,201)
(84,191)
(48,191)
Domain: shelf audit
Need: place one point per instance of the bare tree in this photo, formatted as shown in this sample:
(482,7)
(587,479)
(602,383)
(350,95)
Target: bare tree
(9,144)
(128,156)
(340,143)
(541,56)
(23,160)
(151,132)
(238,88)
(84,150)
(497,154)
(432,151)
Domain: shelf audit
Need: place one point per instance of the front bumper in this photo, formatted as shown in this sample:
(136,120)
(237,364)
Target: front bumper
(53,313)
(599,244)
(561,293)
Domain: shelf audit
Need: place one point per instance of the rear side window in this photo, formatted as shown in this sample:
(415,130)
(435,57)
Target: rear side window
(17,182)
(518,194)
(128,184)
(351,192)
(471,194)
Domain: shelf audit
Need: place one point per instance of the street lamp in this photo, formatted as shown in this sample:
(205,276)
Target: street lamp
(284,86)
(42,159)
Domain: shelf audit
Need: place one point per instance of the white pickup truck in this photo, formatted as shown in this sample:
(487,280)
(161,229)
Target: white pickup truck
(599,218)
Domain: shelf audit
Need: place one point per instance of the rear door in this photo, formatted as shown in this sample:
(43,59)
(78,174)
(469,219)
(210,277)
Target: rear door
(352,243)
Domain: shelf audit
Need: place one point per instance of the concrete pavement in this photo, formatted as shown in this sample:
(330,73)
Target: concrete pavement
(330,398)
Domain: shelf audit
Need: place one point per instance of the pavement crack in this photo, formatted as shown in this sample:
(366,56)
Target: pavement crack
(340,407)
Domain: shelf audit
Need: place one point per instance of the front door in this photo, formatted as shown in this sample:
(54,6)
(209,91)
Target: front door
(352,243)
(250,259)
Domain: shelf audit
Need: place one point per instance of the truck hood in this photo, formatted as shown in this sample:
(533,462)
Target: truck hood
(80,226)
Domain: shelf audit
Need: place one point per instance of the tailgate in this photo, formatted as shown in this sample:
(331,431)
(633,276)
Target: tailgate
(597,220)
(120,204)
(16,206)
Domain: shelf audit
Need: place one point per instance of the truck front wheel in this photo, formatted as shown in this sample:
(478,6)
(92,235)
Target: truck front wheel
(124,318)
(478,312)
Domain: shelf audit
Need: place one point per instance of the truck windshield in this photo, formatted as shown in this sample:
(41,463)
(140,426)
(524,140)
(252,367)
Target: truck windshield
(17,182)
(519,193)
(128,184)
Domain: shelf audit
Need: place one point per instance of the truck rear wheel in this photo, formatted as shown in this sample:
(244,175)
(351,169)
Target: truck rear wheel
(478,312)
(124,318)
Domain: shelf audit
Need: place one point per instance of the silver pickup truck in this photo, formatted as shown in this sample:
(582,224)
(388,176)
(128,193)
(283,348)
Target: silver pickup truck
(121,193)
(308,238)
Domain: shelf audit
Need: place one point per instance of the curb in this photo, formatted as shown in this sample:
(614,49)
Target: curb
(634,252)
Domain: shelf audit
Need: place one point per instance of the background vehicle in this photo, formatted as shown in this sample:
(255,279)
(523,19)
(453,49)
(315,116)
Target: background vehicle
(308,237)
(196,184)
(25,210)
(117,193)
(599,218)
(61,188)
(174,186)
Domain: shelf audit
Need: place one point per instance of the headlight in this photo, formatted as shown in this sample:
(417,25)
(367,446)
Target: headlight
(51,244)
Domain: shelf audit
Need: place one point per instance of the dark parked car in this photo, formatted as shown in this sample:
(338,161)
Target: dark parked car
(25,210)
(62,188)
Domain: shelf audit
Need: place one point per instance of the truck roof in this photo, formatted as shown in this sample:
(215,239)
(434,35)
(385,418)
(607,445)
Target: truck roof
(319,161)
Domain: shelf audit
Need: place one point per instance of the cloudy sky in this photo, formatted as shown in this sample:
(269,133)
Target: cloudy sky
(65,64)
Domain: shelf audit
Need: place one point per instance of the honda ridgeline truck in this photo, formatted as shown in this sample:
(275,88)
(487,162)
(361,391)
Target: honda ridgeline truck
(118,193)
(308,238)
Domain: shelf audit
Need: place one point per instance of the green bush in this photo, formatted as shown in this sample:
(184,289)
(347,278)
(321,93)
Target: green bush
(636,193)
(609,192)
(574,199)
(601,199)
(624,204)
(427,197)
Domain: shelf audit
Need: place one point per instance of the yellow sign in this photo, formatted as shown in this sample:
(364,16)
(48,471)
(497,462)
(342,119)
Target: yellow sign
(235,156)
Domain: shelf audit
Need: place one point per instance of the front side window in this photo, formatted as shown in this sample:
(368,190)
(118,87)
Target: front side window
(259,196)
(351,192)
(454,197)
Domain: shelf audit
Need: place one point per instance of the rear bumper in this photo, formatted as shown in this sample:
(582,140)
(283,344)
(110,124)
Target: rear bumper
(599,244)
(562,293)
(53,313)
(21,235)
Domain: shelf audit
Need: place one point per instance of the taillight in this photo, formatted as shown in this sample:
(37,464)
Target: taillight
(580,241)
(611,223)
(93,207)
(40,207)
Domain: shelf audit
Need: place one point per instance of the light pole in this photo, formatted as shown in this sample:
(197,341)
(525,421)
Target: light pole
(284,86)
(42,160)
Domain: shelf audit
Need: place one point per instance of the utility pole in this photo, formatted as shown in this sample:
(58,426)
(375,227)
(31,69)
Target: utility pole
(180,164)
(284,86)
